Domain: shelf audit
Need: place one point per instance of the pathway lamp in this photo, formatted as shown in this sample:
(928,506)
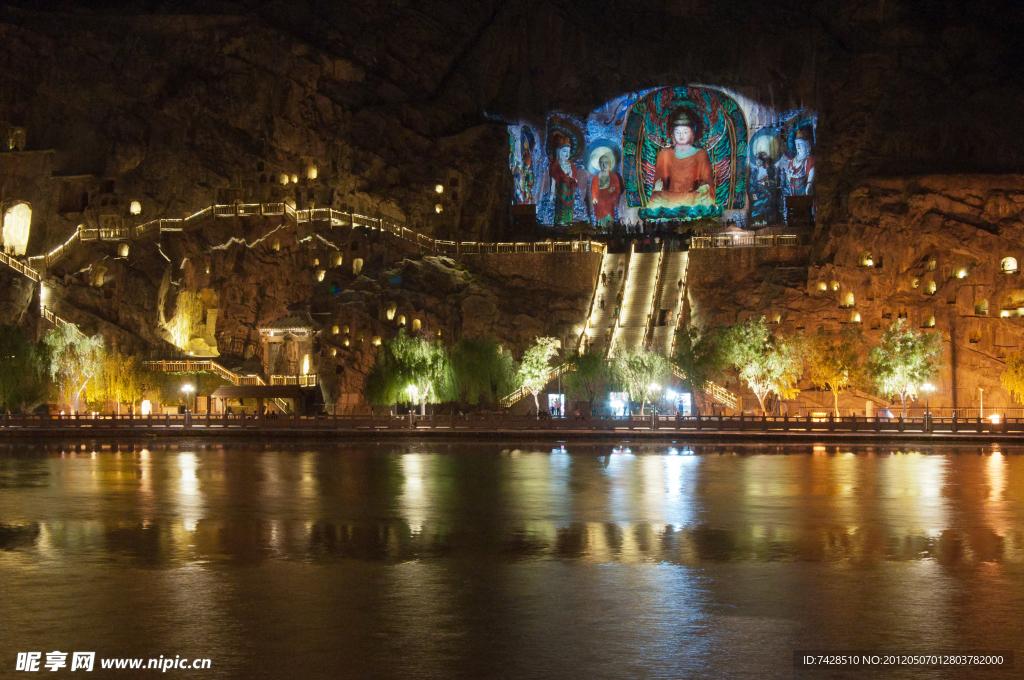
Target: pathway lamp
(188,389)
(927,388)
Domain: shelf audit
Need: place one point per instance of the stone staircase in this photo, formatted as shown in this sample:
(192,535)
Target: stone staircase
(665,316)
(602,320)
(638,297)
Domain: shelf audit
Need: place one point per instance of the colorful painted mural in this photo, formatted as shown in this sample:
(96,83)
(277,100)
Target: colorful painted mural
(666,155)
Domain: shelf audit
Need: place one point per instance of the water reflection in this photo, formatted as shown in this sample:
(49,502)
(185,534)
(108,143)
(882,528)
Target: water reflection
(632,504)
(459,560)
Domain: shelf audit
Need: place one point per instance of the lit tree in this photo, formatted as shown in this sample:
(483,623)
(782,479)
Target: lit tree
(75,359)
(483,370)
(121,379)
(833,360)
(904,360)
(588,376)
(23,369)
(410,369)
(534,370)
(768,361)
(698,356)
(641,372)
(1013,376)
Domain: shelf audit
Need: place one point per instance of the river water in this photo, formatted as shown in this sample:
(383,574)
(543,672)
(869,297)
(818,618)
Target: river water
(431,560)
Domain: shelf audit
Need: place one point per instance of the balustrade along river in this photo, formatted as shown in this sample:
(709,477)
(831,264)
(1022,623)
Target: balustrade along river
(405,559)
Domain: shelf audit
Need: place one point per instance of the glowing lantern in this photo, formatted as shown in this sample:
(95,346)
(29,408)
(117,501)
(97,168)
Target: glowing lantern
(135,208)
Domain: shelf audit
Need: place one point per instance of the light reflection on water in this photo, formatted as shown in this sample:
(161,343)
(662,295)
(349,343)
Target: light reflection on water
(445,560)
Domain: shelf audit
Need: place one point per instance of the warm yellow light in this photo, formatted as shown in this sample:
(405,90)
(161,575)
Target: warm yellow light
(122,250)
(135,208)
(962,274)
(390,312)
(320,274)
(1005,314)
(994,418)
(438,208)
(856,317)
(311,173)
(822,286)
(283,178)
(376,340)
(295,179)
(346,342)
(334,352)
(334,330)
(305,364)
(401,319)
(147,407)
(439,189)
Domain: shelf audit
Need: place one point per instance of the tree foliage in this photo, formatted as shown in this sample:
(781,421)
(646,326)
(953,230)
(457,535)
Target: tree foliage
(588,378)
(904,360)
(768,361)
(699,356)
(410,369)
(75,359)
(121,380)
(535,369)
(1013,376)
(24,370)
(833,360)
(483,370)
(641,372)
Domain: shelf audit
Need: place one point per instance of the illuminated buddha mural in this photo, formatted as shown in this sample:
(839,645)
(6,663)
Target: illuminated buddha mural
(663,156)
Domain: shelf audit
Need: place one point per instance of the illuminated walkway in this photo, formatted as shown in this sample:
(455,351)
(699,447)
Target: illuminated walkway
(602,316)
(638,300)
(669,306)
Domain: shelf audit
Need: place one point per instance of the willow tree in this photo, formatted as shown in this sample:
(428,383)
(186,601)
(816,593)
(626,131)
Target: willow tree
(641,372)
(589,375)
(75,360)
(23,369)
(767,360)
(699,358)
(904,359)
(410,369)
(121,379)
(535,369)
(833,360)
(483,371)
(1013,376)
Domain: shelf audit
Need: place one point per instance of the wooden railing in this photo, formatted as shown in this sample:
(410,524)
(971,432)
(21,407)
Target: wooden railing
(743,241)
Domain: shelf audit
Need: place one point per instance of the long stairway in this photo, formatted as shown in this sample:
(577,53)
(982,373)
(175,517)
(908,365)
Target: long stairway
(602,316)
(666,311)
(637,301)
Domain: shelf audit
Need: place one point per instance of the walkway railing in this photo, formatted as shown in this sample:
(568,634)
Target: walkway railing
(522,392)
(743,241)
(714,390)
(781,426)
(330,215)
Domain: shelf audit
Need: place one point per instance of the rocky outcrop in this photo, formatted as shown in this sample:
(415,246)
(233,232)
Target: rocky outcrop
(944,252)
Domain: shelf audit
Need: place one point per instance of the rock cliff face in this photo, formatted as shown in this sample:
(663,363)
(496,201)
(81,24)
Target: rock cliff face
(944,252)
(215,286)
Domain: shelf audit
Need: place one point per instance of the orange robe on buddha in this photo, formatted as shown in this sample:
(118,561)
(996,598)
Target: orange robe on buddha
(681,178)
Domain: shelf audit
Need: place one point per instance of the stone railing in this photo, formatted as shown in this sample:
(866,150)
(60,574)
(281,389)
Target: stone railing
(781,427)
(743,241)
(17,266)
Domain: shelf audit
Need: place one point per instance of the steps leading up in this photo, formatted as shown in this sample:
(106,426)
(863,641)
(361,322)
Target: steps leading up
(637,301)
(666,311)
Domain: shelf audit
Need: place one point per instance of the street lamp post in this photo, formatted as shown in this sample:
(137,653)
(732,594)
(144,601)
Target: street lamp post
(928,389)
(188,389)
(981,403)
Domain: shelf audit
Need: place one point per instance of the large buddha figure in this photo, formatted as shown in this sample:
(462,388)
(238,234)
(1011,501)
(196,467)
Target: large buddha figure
(682,172)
